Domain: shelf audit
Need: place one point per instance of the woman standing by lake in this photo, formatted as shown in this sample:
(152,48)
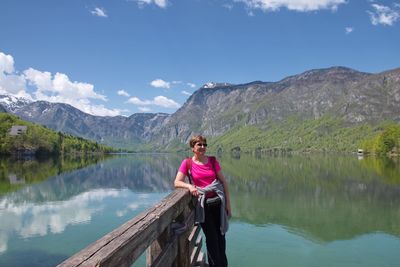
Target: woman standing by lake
(208,184)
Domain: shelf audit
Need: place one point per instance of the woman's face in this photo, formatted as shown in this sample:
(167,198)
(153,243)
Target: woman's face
(200,148)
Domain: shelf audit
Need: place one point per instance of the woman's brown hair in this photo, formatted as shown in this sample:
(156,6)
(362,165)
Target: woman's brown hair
(196,139)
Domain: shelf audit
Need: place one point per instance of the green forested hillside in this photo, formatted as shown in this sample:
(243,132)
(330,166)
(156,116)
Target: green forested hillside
(36,171)
(326,134)
(387,141)
(41,140)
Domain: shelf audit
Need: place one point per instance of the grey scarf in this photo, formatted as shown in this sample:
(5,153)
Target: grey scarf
(218,188)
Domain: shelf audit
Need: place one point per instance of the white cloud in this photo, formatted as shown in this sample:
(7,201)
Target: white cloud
(82,104)
(13,84)
(192,85)
(159,3)
(26,219)
(228,6)
(10,82)
(131,207)
(6,63)
(349,30)
(185,92)
(142,3)
(137,101)
(100,110)
(160,101)
(250,13)
(123,93)
(57,89)
(41,79)
(100,12)
(384,15)
(144,109)
(60,86)
(159,83)
(134,206)
(120,213)
(296,5)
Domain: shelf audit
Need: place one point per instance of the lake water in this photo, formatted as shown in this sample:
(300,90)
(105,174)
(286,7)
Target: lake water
(287,211)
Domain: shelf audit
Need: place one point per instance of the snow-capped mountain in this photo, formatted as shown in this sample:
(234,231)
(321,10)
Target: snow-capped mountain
(13,103)
(211,85)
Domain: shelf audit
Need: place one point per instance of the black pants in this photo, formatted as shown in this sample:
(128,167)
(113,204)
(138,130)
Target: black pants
(215,242)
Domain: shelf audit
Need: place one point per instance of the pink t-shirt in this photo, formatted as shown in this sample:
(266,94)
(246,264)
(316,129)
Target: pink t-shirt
(203,174)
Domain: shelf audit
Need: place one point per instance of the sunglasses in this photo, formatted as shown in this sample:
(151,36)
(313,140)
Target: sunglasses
(203,145)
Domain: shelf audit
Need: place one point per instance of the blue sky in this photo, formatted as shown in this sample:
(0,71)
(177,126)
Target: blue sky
(122,57)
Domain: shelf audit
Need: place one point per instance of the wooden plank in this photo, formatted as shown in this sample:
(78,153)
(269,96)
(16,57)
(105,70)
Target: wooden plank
(194,254)
(193,237)
(131,244)
(187,224)
(183,257)
(201,260)
(168,255)
(157,247)
(196,250)
(199,241)
(194,233)
(125,244)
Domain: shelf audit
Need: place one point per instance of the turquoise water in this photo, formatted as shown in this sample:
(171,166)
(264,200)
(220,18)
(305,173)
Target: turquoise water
(274,245)
(287,211)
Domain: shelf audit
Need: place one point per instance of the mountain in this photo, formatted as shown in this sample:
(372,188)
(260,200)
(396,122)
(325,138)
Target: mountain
(12,103)
(340,92)
(217,109)
(41,141)
(119,131)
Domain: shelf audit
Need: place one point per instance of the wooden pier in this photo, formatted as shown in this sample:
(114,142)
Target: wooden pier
(166,232)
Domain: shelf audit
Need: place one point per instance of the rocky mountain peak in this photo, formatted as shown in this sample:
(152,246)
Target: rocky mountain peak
(214,85)
(12,103)
(336,74)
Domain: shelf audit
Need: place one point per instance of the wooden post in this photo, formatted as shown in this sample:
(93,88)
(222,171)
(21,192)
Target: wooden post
(183,257)
(157,247)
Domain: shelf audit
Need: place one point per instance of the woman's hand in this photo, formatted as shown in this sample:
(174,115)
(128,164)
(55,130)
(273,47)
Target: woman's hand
(180,183)
(193,190)
(228,210)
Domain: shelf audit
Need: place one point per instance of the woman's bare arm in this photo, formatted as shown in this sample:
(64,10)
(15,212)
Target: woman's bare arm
(180,183)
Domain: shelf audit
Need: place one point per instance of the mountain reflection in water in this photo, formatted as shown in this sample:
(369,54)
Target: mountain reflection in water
(51,209)
(324,198)
(57,194)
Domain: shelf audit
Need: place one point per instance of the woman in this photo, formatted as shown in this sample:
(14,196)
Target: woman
(207,181)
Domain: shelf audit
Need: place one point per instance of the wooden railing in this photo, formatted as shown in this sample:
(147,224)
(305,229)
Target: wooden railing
(166,231)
